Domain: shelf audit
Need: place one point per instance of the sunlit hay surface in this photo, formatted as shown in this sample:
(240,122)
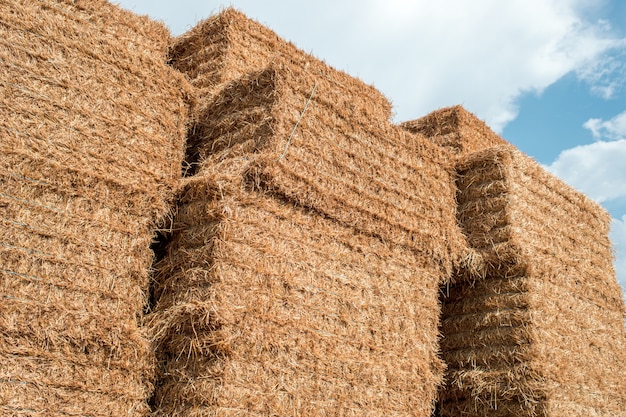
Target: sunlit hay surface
(267,309)
(456,130)
(92,126)
(539,331)
(313,244)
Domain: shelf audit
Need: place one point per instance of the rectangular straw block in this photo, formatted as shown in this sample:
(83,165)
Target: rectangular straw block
(92,129)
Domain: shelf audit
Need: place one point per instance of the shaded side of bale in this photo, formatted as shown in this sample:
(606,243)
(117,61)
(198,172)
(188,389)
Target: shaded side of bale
(486,325)
(269,309)
(238,123)
(484,205)
(523,336)
(455,129)
(92,126)
(487,344)
(229,45)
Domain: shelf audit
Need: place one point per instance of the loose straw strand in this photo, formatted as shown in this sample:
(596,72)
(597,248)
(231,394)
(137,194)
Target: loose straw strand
(297,123)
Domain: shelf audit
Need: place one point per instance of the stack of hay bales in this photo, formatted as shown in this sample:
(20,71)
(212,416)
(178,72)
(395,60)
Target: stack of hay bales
(92,126)
(267,309)
(303,272)
(539,330)
(228,45)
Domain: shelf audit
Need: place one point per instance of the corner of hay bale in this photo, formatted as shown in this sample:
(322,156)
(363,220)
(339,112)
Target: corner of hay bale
(455,129)
(229,45)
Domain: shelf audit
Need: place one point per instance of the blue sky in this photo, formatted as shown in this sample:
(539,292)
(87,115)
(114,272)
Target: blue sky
(548,75)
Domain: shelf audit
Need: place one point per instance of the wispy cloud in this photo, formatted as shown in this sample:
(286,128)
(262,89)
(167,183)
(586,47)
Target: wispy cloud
(606,75)
(612,129)
(597,169)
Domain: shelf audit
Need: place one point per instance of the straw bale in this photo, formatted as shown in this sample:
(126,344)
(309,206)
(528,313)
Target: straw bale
(312,134)
(67,293)
(101,93)
(229,45)
(92,127)
(265,308)
(455,129)
(302,145)
(539,330)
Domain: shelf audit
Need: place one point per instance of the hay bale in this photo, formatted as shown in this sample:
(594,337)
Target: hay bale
(313,135)
(365,173)
(456,130)
(265,308)
(92,128)
(90,86)
(229,45)
(539,332)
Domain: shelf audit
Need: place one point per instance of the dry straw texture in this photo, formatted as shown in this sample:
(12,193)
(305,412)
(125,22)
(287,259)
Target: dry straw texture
(314,135)
(303,271)
(365,173)
(539,332)
(228,45)
(92,125)
(455,129)
(267,309)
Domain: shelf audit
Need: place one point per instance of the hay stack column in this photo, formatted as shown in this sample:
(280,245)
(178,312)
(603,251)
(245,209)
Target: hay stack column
(535,328)
(92,126)
(302,276)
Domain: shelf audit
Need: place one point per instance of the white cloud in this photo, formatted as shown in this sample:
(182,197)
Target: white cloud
(427,54)
(597,169)
(618,237)
(613,129)
(607,76)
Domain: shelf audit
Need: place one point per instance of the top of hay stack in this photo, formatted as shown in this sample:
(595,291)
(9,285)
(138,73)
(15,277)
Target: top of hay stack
(228,45)
(455,129)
